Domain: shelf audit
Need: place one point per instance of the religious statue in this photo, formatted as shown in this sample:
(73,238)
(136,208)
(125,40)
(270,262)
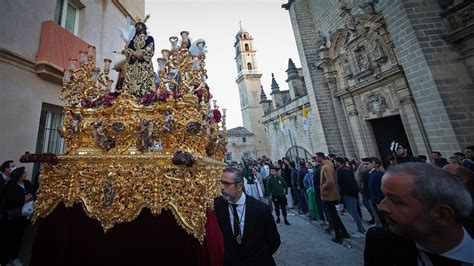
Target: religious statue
(363,59)
(379,53)
(74,127)
(346,67)
(145,134)
(139,75)
(101,137)
(168,122)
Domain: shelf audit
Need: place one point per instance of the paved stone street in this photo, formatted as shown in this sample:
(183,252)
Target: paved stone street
(305,243)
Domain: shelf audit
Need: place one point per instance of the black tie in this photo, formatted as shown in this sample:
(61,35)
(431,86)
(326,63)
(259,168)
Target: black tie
(236,220)
(438,260)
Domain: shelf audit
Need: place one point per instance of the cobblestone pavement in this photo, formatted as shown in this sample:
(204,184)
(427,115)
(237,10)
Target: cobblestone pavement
(304,242)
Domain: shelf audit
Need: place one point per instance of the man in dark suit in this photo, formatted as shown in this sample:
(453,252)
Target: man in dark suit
(424,207)
(250,233)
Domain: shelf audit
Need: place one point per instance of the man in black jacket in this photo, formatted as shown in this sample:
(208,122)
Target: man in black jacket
(349,191)
(403,156)
(424,207)
(249,230)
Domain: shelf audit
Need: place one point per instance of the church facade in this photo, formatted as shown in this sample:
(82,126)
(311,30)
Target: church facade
(373,73)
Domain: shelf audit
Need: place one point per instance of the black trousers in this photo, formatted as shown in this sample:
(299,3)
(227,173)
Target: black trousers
(280,203)
(334,219)
(294,194)
(15,232)
(302,204)
(4,250)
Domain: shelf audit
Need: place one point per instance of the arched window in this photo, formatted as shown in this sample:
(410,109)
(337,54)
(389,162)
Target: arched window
(245,36)
(247,47)
(249,66)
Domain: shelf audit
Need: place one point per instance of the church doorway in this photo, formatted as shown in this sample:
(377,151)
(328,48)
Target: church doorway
(386,130)
(296,153)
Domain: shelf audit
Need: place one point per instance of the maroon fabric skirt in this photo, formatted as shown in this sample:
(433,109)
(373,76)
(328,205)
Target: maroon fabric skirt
(68,237)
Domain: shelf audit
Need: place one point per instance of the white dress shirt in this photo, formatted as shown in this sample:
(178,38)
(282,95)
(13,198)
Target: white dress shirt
(240,211)
(463,252)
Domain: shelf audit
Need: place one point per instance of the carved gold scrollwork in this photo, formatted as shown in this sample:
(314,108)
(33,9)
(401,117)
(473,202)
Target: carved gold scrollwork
(114,189)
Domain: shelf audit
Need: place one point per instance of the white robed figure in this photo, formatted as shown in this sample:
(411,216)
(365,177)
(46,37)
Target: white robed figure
(253,186)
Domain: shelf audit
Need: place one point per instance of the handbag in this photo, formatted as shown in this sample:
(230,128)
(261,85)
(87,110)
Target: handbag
(28,208)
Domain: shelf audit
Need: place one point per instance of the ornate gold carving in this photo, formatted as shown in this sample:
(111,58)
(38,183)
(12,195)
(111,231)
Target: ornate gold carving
(118,152)
(115,188)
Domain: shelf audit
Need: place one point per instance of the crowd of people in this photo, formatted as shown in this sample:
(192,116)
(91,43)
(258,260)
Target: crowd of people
(325,187)
(413,206)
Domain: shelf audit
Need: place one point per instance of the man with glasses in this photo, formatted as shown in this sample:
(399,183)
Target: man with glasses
(247,225)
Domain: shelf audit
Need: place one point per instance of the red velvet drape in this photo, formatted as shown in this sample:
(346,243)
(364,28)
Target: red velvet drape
(214,240)
(68,237)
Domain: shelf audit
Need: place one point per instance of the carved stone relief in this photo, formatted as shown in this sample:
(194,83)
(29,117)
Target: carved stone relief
(375,103)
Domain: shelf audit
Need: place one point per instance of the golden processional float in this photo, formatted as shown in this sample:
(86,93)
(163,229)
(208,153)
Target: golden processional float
(127,149)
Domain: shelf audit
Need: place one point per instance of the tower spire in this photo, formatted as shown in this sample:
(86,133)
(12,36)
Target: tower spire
(292,71)
(240,24)
(275,86)
(263,96)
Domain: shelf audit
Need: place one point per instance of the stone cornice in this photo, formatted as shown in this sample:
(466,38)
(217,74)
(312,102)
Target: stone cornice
(376,79)
(17,60)
(49,71)
(44,69)
(242,76)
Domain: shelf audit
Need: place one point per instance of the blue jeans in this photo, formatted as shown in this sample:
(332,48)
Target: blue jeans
(351,204)
(366,203)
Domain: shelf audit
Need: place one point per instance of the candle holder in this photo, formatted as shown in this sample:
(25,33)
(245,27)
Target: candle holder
(72,64)
(91,51)
(82,57)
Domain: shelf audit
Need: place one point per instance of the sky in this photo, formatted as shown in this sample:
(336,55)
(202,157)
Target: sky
(217,22)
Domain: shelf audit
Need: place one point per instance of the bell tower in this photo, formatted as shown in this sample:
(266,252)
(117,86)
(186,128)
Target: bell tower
(248,80)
